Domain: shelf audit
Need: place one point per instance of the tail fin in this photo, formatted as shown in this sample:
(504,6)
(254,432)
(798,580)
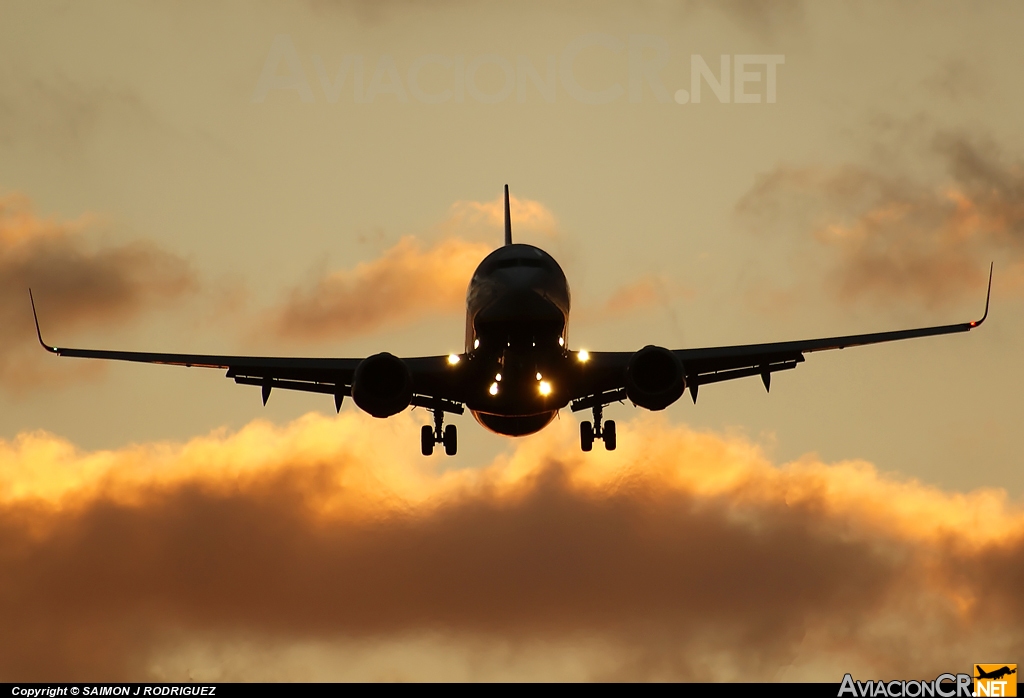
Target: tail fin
(508,220)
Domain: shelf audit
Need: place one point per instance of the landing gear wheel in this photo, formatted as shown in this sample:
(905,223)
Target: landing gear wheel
(609,435)
(451,440)
(426,440)
(586,436)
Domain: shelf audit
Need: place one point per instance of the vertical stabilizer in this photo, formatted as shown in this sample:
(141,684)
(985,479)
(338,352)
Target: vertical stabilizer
(508,220)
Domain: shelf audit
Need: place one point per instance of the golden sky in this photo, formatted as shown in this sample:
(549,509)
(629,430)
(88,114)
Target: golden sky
(320,178)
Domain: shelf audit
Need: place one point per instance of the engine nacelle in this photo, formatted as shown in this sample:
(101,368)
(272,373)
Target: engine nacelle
(382,385)
(654,378)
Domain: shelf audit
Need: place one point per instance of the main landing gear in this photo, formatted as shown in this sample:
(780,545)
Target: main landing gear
(589,432)
(439,434)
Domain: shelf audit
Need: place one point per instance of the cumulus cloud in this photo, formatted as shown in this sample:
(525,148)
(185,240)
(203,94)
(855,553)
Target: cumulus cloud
(407,282)
(327,548)
(647,291)
(410,280)
(76,281)
(893,234)
(469,218)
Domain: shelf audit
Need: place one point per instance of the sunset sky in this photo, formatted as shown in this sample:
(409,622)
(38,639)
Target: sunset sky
(320,178)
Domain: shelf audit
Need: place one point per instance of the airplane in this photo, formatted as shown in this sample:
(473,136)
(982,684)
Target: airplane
(517,370)
(995,674)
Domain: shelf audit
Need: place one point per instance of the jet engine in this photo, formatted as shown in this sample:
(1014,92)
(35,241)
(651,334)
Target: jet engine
(654,378)
(382,385)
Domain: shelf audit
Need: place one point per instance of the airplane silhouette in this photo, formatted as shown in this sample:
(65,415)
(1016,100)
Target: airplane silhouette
(517,370)
(995,674)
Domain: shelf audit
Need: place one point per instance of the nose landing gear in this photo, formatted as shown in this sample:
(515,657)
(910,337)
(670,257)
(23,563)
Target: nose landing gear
(439,434)
(605,432)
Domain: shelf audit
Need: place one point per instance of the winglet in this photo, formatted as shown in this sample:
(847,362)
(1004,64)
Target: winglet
(35,317)
(508,220)
(988,296)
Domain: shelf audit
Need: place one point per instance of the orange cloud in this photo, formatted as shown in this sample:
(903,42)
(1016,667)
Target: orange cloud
(411,279)
(891,235)
(643,293)
(328,548)
(406,282)
(471,218)
(75,280)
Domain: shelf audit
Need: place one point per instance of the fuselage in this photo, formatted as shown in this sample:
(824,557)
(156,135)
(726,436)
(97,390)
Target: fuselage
(517,318)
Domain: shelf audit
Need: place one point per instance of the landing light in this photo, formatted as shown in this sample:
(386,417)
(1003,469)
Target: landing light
(561,341)
(583,355)
(453,359)
(538,376)
(476,343)
(493,390)
(545,388)
(497,377)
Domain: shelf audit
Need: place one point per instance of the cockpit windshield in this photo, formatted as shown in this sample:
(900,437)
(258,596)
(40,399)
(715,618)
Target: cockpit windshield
(519,262)
(514,256)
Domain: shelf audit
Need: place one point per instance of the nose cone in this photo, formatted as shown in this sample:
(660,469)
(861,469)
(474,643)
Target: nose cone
(519,302)
(517,291)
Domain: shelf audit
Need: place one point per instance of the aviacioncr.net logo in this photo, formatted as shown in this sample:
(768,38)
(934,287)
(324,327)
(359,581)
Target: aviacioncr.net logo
(942,686)
(995,680)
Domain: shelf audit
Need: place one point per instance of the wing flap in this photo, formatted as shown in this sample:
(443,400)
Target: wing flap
(603,379)
(436,384)
(269,363)
(727,375)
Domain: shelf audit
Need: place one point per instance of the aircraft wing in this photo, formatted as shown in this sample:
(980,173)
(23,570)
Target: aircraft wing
(715,364)
(432,384)
(602,379)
